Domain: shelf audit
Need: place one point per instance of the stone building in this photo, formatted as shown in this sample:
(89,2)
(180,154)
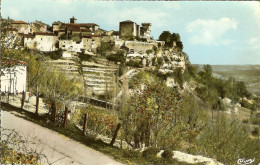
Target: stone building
(69,29)
(128,29)
(21,26)
(41,41)
(145,30)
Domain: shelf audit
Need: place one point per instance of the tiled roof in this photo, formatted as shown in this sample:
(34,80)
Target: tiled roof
(14,62)
(18,22)
(85,30)
(89,36)
(87,24)
(73,27)
(29,35)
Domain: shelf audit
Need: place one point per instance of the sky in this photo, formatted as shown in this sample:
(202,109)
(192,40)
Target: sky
(220,32)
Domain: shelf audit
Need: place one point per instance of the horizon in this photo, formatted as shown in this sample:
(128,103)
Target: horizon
(215,33)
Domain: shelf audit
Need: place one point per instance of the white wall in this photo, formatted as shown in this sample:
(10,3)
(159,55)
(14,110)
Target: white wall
(14,79)
(45,43)
(70,45)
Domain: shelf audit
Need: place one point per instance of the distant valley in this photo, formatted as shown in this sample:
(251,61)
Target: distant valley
(250,74)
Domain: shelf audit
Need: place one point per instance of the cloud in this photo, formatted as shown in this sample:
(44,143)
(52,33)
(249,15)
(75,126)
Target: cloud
(254,42)
(211,32)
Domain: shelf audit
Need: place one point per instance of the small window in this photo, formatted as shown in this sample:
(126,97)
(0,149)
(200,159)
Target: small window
(41,38)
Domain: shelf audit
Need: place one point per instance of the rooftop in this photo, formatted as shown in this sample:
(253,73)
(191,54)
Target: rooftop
(18,22)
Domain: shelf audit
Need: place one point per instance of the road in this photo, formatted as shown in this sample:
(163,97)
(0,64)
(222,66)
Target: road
(58,148)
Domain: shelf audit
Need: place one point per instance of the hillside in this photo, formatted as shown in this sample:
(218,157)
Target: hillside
(250,74)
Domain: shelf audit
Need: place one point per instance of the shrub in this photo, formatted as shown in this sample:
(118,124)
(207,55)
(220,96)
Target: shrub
(135,63)
(150,152)
(247,105)
(105,47)
(55,55)
(167,154)
(84,57)
(130,154)
(255,121)
(149,51)
(160,61)
(118,57)
(213,141)
(255,132)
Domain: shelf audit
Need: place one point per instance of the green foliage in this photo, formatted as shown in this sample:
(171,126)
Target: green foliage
(98,122)
(256,131)
(212,89)
(105,47)
(55,55)
(213,141)
(149,51)
(179,45)
(159,60)
(150,152)
(167,154)
(85,57)
(131,154)
(255,121)
(170,38)
(134,63)
(118,57)
(178,76)
(246,104)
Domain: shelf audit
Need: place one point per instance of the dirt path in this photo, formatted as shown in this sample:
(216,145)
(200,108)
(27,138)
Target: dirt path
(58,148)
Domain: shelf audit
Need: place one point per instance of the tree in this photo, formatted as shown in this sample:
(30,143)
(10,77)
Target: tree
(150,114)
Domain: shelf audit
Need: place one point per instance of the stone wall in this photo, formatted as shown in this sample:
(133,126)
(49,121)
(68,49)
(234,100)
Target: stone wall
(137,46)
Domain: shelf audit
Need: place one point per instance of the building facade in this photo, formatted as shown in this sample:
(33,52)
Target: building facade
(13,78)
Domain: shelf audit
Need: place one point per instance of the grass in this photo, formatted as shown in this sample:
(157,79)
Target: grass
(71,131)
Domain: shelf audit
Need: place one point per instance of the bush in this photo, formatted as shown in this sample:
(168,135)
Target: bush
(213,141)
(160,61)
(247,105)
(55,55)
(255,132)
(84,57)
(105,47)
(118,57)
(255,121)
(130,154)
(167,154)
(135,63)
(150,152)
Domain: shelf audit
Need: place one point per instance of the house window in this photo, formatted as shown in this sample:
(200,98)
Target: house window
(41,38)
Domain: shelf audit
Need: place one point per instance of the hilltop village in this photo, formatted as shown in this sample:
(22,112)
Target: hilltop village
(132,43)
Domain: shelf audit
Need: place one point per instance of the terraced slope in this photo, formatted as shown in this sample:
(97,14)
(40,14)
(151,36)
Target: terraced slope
(97,74)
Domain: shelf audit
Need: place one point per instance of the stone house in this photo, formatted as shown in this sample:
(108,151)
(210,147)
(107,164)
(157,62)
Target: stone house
(69,29)
(21,26)
(13,79)
(41,41)
(45,41)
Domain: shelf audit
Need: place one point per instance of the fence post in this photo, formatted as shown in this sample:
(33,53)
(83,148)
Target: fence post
(23,99)
(115,134)
(85,124)
(66,116)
